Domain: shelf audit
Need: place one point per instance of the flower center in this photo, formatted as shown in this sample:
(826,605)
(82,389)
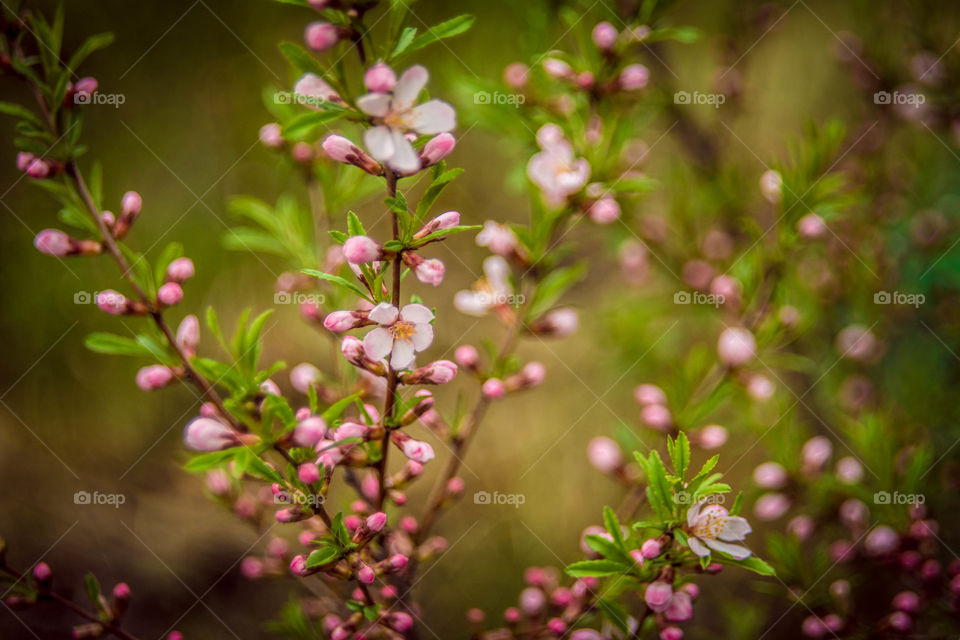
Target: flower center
(710,525)
(402,331)
(397,120)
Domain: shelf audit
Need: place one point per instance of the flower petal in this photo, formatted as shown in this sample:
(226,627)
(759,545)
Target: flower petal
(384,313)
(377,343)
(403,354)
(379,142)
(734,529)
(433,116)
(404,158)
(416,313)
(496,270)
(374,104)
(735,551)
(409,86)
(422,336)
(692,513)
(697,547)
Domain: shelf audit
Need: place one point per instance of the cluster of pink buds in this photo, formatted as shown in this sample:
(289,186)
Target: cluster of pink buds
(36,167)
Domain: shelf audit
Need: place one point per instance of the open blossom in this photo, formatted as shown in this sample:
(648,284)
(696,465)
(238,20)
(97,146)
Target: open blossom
(556,170)
(401,334)
(492,290)
(418,451)
(712,527)
(395,114)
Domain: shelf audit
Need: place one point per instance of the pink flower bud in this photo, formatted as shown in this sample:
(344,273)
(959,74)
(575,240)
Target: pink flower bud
(188,334)
(53,242)
(532,601)
(604,454)
(401,621)
(516,74)
(366,575)
(650,548)
(218,482)
(361,250)
(430,272)
(881,541)
(398,561)
(112,302)
(271,135)
(207,434)
(38,168)
(657,596)
(691,589)
(339,321)
(251,568)
(511,615)
(377,521)
(558,323)
(815,452)
(42,572)
(299,566)
(154,377)
(771,186)
(131,204)
(533,374)
(418,451)
(557,68)
(301,152)
(175,635)
(604,36)
(646,394)
(656,417)
(303,376)
(86,86)
(680,608)
(24,159)
(493,388)
(770,475)
(771,506)
(308,473)
(900,621)
(811,226)
(801,527)
(736,347)
(380,78)
(712,436)
(441,372)
(180,270)
(169,294)
(605,211)
(455,486)
(437,148)
(350,430)
(634,77)
(557,626)
(849,470)
(321,36)
(467,356)
(309,431)
(907,601)
(671,633)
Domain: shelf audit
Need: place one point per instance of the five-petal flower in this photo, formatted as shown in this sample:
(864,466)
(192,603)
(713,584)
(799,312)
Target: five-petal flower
(712,527)
(401,335)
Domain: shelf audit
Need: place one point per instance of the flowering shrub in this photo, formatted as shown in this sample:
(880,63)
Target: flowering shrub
(761,318)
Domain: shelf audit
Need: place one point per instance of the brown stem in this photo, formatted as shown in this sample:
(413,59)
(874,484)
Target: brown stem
(391,398)
(72,606)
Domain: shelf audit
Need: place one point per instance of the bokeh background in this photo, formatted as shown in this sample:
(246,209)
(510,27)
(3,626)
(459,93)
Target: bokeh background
(192,74)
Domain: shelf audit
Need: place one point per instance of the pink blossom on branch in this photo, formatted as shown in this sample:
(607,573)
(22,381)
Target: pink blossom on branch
(401,335)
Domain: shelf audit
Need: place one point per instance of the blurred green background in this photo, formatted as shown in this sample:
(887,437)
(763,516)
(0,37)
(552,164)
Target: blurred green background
(186,139)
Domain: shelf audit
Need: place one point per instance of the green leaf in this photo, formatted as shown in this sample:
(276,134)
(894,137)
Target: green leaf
(170,253)
(90,45)
(16,110)
(92,587)
(305,124)
(206,461)
(329,277)
(338,407)
(753,563)
(613,526)
(354,226)
(301,59)
(614,612)
(552,287)
(322,556)
(680,454)
(447,29)
(433,191)
(594,568)
(405,40)
(112,344)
